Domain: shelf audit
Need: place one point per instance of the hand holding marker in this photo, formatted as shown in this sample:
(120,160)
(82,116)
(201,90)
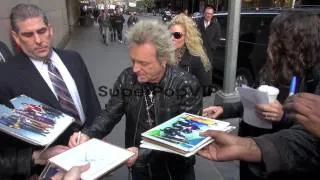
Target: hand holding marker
(293,85)
(292,91)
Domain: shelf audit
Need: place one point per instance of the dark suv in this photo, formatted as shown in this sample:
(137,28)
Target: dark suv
(253,43)
(252,49)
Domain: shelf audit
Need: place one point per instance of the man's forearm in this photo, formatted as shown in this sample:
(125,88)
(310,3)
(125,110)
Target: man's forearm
(249,151)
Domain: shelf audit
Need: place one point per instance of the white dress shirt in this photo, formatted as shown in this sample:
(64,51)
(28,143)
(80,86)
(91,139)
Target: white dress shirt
(206,24)
(71,85)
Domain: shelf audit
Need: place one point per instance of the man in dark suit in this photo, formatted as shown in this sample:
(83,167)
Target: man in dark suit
(210,30)
(54,77)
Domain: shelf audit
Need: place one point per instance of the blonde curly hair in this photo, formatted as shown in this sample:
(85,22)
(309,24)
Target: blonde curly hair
(193,39)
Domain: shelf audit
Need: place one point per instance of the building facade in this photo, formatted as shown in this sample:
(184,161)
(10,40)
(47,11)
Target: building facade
(222,5)
(62,14)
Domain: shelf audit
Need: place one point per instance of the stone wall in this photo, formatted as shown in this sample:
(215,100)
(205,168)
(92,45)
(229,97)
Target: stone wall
(62,14)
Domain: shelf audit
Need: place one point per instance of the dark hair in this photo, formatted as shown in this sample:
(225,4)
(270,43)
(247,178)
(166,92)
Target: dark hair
(22,12)
(208,6)
(294,44)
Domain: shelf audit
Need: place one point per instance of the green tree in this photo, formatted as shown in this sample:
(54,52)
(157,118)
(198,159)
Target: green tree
(100,1)
(148,4)
(211,2)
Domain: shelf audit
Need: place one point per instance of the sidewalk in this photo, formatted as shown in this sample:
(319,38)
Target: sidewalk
(104,65)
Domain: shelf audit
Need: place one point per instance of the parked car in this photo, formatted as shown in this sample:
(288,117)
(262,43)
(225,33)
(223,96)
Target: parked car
(252,48)
(253,43)
(196,15)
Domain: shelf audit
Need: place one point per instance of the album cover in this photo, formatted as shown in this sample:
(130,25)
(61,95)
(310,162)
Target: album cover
(181,133)
(32,121)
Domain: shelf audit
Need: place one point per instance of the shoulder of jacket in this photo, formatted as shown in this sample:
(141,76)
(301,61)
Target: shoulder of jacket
(66,51)
(181,76)
(16,59)
(127,77)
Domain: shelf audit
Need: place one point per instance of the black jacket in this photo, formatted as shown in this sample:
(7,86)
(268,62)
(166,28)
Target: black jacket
(128,100)
(19,76)
(112,24)
(118,21)
(210,35)
(5,53)
(289,154)
(193,65)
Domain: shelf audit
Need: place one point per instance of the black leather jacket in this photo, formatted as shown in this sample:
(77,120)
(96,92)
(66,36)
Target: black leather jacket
(177,92)
(193,65)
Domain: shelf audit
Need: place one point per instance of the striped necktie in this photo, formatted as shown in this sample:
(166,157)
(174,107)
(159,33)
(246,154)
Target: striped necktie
(63,94)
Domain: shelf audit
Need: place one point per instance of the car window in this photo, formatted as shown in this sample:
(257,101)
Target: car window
(264,28)
(223,21)
(249,24)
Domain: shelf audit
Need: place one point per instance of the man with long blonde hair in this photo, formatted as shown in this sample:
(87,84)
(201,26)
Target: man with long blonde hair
(144,99)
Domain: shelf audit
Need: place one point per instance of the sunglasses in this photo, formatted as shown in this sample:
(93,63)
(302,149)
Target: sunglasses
(177,35)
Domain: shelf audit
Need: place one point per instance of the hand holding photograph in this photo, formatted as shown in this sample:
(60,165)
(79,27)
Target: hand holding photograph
(32,121)
(103,158)
(181,134)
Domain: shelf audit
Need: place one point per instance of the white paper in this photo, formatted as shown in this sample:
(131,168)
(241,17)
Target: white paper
(249,98)
(102,157)
(148,145)
(186,141)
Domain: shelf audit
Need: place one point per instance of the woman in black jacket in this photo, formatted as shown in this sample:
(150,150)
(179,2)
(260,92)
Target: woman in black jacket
(190,54)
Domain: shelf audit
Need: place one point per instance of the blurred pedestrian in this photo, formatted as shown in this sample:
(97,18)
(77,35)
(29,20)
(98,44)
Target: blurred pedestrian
(118,23)
(113,29)
(132,20)
(106,23)
(99,20)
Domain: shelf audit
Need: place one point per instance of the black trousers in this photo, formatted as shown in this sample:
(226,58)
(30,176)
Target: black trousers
(246,130)
(119,32)
(113,33)
(156,165)
(163,173)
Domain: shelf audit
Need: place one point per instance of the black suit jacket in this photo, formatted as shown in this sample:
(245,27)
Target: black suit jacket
(19,76)
(5,53)
(210,35)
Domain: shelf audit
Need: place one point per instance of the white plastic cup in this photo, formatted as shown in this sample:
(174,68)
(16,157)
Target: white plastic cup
(272,92)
